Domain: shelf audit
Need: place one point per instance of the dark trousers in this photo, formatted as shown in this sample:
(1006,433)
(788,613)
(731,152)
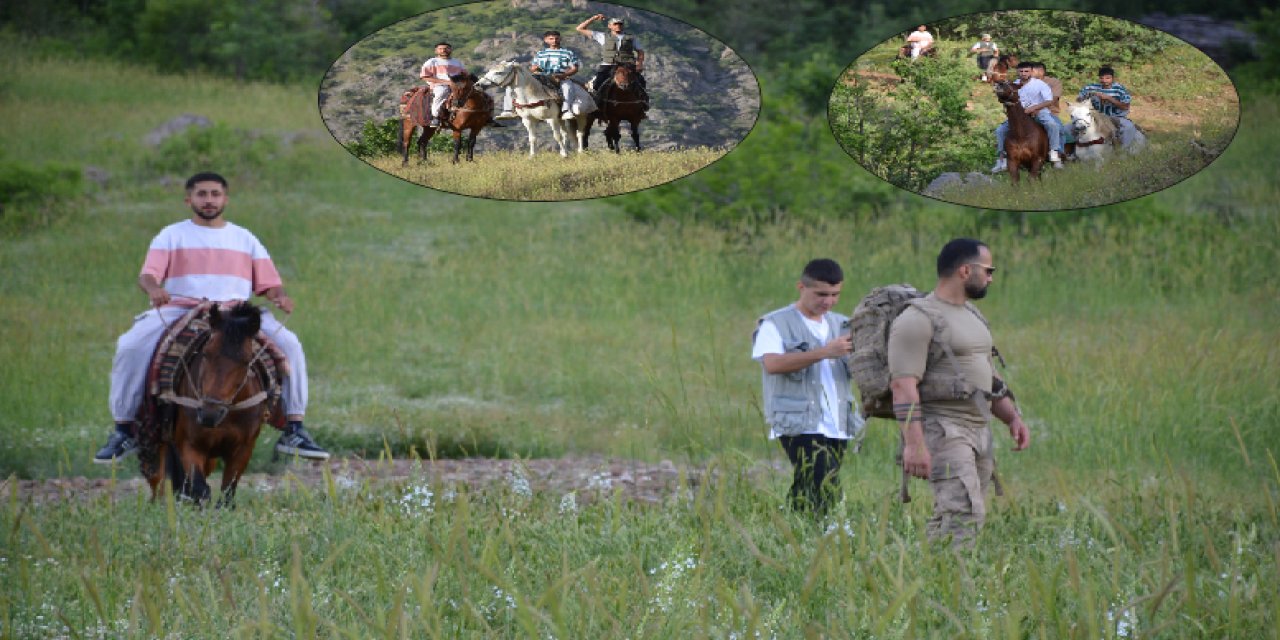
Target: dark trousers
(815,483)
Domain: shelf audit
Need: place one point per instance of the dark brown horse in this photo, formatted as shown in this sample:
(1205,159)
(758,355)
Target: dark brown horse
(1026,143)
(1000,68)
(468,108)
(221,398)
(623,99)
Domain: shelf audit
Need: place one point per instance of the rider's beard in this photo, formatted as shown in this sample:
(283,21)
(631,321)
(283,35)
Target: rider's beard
(207,216)
(975,291)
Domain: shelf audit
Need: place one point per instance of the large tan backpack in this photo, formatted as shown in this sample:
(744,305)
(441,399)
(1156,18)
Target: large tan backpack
(869,363)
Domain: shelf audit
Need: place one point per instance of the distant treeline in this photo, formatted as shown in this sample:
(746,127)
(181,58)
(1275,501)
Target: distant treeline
(283,40)
(796,48)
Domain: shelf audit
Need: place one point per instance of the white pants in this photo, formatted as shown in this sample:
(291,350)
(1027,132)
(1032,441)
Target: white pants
(136,346)
(439,93)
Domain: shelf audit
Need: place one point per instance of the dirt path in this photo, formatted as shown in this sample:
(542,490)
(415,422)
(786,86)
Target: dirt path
(590,477)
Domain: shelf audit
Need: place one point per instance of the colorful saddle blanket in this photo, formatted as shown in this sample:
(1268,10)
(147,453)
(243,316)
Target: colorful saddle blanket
(167,374)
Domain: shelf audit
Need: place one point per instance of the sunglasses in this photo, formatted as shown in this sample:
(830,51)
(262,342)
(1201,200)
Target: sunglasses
(991,271)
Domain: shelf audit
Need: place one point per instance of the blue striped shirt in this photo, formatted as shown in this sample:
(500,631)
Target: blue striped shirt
(1116,91)
(556,60)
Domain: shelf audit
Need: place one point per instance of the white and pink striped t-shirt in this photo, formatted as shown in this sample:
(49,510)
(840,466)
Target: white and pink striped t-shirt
(441,68)
(221,264)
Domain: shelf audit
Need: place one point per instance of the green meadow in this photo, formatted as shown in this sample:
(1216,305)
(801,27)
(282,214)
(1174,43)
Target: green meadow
(1141,340)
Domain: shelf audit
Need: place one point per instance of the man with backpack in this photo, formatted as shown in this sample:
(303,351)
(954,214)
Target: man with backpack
(945,390)
(803,349)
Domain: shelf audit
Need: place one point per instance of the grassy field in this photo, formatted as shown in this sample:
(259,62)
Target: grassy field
(1189,118)
(1141,337)
(513,175)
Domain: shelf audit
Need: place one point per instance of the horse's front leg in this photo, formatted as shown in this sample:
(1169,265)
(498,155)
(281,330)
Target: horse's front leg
(471,145)
(234,467)
(528,126)
(406,138)
(1014,168)
(457,145)
(192,465)
(635,133)
(557,132)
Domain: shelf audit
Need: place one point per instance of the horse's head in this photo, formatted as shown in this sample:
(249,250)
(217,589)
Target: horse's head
(1006,93)
(460,87)
(499,76)
(623,76)
(222,373)
(1081,116)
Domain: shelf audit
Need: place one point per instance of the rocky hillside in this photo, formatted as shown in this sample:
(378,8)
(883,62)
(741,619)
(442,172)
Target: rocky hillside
(702,93)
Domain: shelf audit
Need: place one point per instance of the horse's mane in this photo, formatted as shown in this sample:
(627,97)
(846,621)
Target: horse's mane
(242,323)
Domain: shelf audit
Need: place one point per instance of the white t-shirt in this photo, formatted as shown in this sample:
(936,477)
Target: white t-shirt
(599,37)
(1033,92)
(768,341)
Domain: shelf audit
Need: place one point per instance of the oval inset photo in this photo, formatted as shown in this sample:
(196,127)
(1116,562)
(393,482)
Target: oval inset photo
(539,100)
(1034,110)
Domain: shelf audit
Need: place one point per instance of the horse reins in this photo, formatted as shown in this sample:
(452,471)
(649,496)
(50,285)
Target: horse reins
(224,406)
(511,81)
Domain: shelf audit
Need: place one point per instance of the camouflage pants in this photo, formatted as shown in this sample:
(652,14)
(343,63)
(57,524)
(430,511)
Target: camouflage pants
(962,467)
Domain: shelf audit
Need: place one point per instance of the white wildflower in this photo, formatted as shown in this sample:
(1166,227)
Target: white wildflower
(569,504)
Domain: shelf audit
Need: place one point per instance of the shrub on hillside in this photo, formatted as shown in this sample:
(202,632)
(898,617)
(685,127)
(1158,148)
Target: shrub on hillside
(214,146)
(379,139)
(29,194)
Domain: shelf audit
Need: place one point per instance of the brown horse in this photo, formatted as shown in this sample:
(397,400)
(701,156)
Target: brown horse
(904,52)
(623,99)
(220,400)
(415,112)
(468,108)
(999,69)
(1026,143)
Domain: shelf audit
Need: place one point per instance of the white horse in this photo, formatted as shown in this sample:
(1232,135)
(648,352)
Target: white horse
(534,101)
(1092,129)
(1095,133)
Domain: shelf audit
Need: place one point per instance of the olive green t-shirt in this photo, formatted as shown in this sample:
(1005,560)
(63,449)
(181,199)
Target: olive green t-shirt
(909,337)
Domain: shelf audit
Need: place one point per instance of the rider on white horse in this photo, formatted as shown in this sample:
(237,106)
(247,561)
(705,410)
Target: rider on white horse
(1112,99)
(559,64)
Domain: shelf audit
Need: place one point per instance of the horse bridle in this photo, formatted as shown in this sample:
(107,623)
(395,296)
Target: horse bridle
(223,407)
(510,79)
(457,104)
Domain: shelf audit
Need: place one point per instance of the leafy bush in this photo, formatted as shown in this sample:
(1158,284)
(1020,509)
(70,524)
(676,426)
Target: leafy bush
(379,139)
(214,146)
(29,194)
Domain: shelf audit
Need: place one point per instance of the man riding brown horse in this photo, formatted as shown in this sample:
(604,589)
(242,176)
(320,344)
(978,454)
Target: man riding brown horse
(617,48)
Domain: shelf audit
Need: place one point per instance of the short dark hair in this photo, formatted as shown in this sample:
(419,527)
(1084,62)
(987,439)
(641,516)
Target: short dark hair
(1026,65)
(206,176)
(1038,65)
(552,32)
(958,253)
(443,43)
(1106,71)
(823,270)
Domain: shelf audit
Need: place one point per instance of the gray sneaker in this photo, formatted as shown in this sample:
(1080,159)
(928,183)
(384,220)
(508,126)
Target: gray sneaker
(295,441)
(119,445)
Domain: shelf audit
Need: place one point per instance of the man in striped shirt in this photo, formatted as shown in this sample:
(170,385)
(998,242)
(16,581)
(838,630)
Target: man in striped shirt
(552,61)
(205,257)
(1111,99)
